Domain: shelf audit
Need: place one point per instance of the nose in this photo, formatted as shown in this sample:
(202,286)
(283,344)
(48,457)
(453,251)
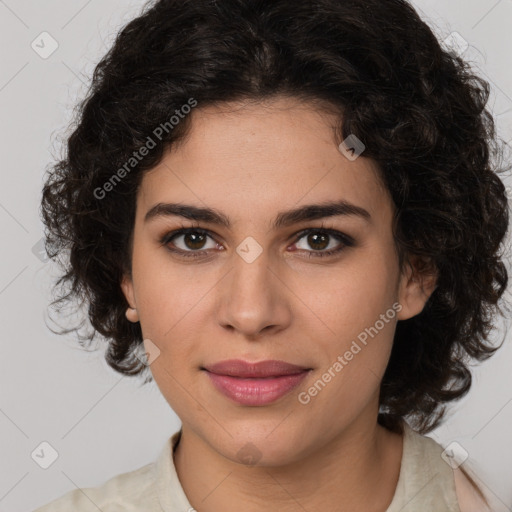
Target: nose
(255,297)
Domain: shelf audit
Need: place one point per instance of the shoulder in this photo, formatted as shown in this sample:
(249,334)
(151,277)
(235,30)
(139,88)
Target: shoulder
(122,492)
(425,467)
(467,496)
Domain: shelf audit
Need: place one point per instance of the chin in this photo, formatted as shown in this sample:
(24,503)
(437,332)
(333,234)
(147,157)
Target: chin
(263,449)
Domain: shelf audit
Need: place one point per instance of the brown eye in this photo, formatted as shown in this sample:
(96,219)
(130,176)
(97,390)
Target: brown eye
(188,241)
(321,239)
(194,240)
(318,241)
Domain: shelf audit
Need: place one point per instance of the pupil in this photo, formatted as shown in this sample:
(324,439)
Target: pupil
(195,238)
(315,236)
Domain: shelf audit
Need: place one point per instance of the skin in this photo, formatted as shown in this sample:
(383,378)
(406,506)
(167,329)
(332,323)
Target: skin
(251,161)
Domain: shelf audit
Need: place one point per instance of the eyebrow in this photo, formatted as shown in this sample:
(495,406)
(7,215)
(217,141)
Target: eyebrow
(283,219)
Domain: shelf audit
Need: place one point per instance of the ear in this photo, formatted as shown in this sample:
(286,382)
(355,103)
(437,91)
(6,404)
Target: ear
(129,293)
(417,283)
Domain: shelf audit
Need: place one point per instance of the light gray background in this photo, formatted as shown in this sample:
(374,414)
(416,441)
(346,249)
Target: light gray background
(101,423)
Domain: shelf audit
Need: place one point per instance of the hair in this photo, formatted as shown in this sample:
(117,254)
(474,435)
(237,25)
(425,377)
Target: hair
(418,108)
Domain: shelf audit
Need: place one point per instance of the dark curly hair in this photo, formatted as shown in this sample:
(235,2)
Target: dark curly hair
(418,108)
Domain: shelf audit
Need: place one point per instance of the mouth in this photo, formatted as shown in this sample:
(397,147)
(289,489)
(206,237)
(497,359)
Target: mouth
(255,384)
(262,369)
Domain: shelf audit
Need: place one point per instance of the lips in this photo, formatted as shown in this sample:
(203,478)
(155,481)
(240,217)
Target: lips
(262,369)
(255,384)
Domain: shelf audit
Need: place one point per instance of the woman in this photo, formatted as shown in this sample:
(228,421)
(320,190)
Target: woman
(290,208)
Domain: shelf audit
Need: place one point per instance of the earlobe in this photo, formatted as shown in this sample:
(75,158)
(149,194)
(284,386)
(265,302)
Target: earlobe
(132,315)
(127,288)
(415,289)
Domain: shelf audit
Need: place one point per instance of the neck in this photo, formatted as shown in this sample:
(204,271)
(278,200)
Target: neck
(357,470)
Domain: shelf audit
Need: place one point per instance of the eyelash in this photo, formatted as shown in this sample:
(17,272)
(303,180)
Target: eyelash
(346,241)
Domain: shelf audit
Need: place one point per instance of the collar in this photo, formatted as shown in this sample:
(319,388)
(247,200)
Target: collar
(168,486)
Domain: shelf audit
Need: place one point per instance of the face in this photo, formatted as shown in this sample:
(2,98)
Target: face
(254,290)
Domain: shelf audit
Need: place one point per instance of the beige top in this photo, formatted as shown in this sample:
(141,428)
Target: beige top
(426,483)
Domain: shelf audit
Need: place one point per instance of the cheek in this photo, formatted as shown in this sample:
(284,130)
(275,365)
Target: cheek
(351,376)
(360,310)
(175,387)
(165,293)
(351,298)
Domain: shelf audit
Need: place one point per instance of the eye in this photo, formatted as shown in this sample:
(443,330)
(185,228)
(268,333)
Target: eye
(321,239)
(192,241)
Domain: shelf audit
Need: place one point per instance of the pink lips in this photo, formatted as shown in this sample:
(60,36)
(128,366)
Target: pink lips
(255,383)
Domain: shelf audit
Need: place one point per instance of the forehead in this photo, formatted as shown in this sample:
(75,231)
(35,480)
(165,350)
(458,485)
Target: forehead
(255,158)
